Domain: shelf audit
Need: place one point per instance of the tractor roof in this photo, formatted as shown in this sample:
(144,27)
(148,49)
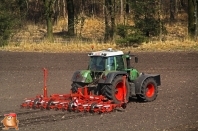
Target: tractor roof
(106,53)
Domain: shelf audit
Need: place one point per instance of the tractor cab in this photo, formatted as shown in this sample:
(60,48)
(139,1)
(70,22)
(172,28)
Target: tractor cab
(109,60)
(106,60)
(112,61)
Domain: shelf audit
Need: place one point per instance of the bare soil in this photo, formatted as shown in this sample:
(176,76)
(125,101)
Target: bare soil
(175,109)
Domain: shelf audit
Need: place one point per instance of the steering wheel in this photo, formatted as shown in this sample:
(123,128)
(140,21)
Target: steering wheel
(96,67)
(93,66)
(100,67)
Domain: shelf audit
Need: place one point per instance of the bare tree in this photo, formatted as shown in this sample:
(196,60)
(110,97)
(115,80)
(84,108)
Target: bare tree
(173,10)
(63,9)
(122,11)
(192,18)
(70,10)
(109,20)
(48,5)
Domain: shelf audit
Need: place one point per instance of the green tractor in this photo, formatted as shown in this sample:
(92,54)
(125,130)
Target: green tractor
(104,76)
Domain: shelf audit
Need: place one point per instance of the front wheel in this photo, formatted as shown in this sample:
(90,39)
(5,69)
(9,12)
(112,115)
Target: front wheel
(115,91)
(149,90)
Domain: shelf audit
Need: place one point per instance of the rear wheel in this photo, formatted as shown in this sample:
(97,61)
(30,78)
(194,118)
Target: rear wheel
(115,91)
(149,90)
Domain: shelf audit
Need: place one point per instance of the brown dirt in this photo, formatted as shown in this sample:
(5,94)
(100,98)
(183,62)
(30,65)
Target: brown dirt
(175,109)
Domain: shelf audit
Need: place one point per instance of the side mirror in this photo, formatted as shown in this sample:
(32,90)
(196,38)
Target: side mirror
(136,59)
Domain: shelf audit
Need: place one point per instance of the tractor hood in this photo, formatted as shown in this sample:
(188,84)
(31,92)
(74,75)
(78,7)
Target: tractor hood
(88,76)
(83,76)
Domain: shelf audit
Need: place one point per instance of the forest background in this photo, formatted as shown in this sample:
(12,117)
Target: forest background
(79,25)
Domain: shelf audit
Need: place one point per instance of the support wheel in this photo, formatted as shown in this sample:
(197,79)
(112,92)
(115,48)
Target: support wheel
(70,106)
(149,90)
(76,85)
(34,106)
(115,91)
(49,104)
(93,105)
(63,109)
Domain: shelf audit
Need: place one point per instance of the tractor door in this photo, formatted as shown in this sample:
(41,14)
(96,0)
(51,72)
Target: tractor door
(133,73)
(119,63)
(115,63)
(111,63)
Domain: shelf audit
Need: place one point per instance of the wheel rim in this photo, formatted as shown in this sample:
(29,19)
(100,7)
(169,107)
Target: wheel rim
(150,90)
(119,93)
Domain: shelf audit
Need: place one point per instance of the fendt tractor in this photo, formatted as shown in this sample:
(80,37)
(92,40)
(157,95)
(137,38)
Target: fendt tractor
(105,73)
(107,83)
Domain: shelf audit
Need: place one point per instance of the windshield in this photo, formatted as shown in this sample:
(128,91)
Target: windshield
(97,63)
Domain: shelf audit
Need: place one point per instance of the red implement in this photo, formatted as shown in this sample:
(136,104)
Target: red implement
(78,102)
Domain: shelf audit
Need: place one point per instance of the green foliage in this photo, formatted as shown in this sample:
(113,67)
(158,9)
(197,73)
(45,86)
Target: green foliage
(146,17)
(129,36)
(5,24)
(122,30)
(22,7)
(8,19)
(147,23)
(136,38)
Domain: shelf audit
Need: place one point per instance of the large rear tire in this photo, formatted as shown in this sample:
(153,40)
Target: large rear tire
(115,90)
(149,90)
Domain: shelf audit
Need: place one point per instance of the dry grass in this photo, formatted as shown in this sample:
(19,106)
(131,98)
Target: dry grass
(93,28)
(55,47)
(82,47)
(170,46)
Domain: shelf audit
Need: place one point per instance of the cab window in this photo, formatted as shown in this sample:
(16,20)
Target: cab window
(111,63)
(119,63)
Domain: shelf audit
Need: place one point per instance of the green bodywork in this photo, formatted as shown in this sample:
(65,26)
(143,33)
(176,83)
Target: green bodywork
(133,74)
(86,74)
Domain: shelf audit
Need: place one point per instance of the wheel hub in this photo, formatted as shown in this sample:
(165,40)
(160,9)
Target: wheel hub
(150,90)
(119,93)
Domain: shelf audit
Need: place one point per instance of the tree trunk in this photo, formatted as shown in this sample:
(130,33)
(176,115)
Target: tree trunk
(196,19)
(70,10)
(160,19)
(56,11)
(112,33)
(93,8)
(109,18)
(184,5)
(172,16)
(127,9)
(191,19)
(64,11)
(48,4)
(49,30)
(121,11)
(176,9)
(106,37)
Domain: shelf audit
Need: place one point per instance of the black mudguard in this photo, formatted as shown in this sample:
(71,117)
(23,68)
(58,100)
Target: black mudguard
(77,77)
(139,81)
(110,76)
